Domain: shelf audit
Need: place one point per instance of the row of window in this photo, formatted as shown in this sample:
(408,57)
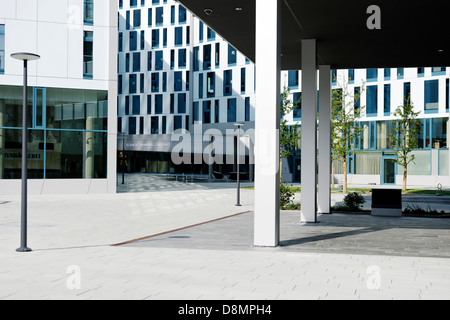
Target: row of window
(135,44)
(134,3)
(155,15)
(371,75)
(154,124)
(2,48)
(208,111)
(155,104)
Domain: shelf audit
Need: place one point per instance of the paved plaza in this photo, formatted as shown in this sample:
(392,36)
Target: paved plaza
(192,242)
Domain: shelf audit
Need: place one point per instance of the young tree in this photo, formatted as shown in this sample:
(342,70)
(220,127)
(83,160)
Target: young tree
(404,135)
(344,124)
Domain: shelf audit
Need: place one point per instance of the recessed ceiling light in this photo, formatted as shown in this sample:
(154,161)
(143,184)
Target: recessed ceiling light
(441,50)
(238,9)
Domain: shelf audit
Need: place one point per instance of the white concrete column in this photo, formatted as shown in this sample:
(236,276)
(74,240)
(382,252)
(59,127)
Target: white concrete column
(309,131)
(2,138)
(267,123)
(324,196)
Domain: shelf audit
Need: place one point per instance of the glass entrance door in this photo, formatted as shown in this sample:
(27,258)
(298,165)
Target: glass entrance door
(388,171)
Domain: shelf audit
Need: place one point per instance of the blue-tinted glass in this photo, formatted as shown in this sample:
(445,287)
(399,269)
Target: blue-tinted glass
(297,106)
(372,100)
(132,125)
(207,111)
(164,81)
(155,125)
(333,76)
(372,74)
(200,86)
(133,40)
(127,21)
(120,41)
(172,14)
(119,84)
(155,82)
(210,84)
(127,105)
(165,37)
(155,2)
(217,55)
(177,122)
(172,59)
(181,14)
(387,99)
(196,60)
(227,82)
(132,83)
(137,18)
(242,80)
(159,19)
(142,40)
(2,48)
(133,3)
(293,79)
(231,55)
(158,104)
(150,20)
(400,72)
(200,31)
(127,62)
(89,12)
(182,103)
(357,98)
(211,35)
(351,75)
(155,39)
(149,104)
(136,62)
(231,110)
(178,83)
(178,36)
(406,90)
(136,105)
(432,95)
(387,73)
(247,109)
(159,62)
(182,58)
(149,61)
(196,112)
(207,57)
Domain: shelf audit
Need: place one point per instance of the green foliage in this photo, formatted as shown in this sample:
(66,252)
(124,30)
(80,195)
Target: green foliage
(352,203)
(404,134)
(286,196)
(289,136)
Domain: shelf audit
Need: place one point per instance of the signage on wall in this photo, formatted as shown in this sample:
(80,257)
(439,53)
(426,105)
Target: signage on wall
(18,155)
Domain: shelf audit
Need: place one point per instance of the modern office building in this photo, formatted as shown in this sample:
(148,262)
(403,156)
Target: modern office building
(72,95)
(372,161)
(179,80)
(179,85)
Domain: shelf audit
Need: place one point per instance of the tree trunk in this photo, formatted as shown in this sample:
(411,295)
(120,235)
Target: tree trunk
(405,175)
(344,184)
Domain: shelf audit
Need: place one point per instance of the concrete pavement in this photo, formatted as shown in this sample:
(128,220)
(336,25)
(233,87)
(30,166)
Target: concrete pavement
(73,257)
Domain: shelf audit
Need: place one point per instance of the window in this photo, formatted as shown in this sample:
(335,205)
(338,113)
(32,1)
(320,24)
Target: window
(120,41)
(141,125)
(447,82)
(133,40)
(158,104)
(400,72)
(119,84)
(154,125)
(431,95)
(150,14)
(210,84)
(357,99)
(127,62)
(131,125)
(155,39)
(182,58)
(181,14)
(159,19)
(136,105)
(436,71)
(127,105)
(155,82)
(177,122)
(387,99)
(372,75)
(132,83)
(231,110)
(149,61)
(333,77)
(210,34)
(351,75)
(142,40)
(372,100)
(200,86)
(196,112)
(196,60)
(242,80)
(247,109)
(200,31)
(217,111)
(142,83)
(178,36)
(89,12)
(88,54)
(164,81)
(159,62)
(207,111)
(207,57)
(172,59)
(2,48)
(406,90)
(420,72)
(178,83)
(137,18)
(127,21)
(149,104)
(133,3)
(231,55)
(165,38)
(182,103)
(164,125)
(387,74)
(136,62)
(227,82)
(172,14)
(297,106)
(217,55)
(293,79)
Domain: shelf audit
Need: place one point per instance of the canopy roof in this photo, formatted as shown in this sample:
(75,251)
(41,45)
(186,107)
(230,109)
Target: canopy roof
(412,34)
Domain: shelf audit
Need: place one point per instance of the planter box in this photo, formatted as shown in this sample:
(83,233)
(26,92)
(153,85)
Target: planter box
(387,202)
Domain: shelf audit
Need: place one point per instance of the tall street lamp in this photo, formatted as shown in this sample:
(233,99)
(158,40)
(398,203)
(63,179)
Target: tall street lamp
(25,57)
(239,125)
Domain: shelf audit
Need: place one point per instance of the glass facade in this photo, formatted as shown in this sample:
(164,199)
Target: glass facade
(67,136)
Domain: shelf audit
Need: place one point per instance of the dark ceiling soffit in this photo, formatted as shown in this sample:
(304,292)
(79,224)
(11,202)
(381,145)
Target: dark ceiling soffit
(412,33)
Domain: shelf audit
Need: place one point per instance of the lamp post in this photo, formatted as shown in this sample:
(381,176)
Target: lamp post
(25,57)
(238,202)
